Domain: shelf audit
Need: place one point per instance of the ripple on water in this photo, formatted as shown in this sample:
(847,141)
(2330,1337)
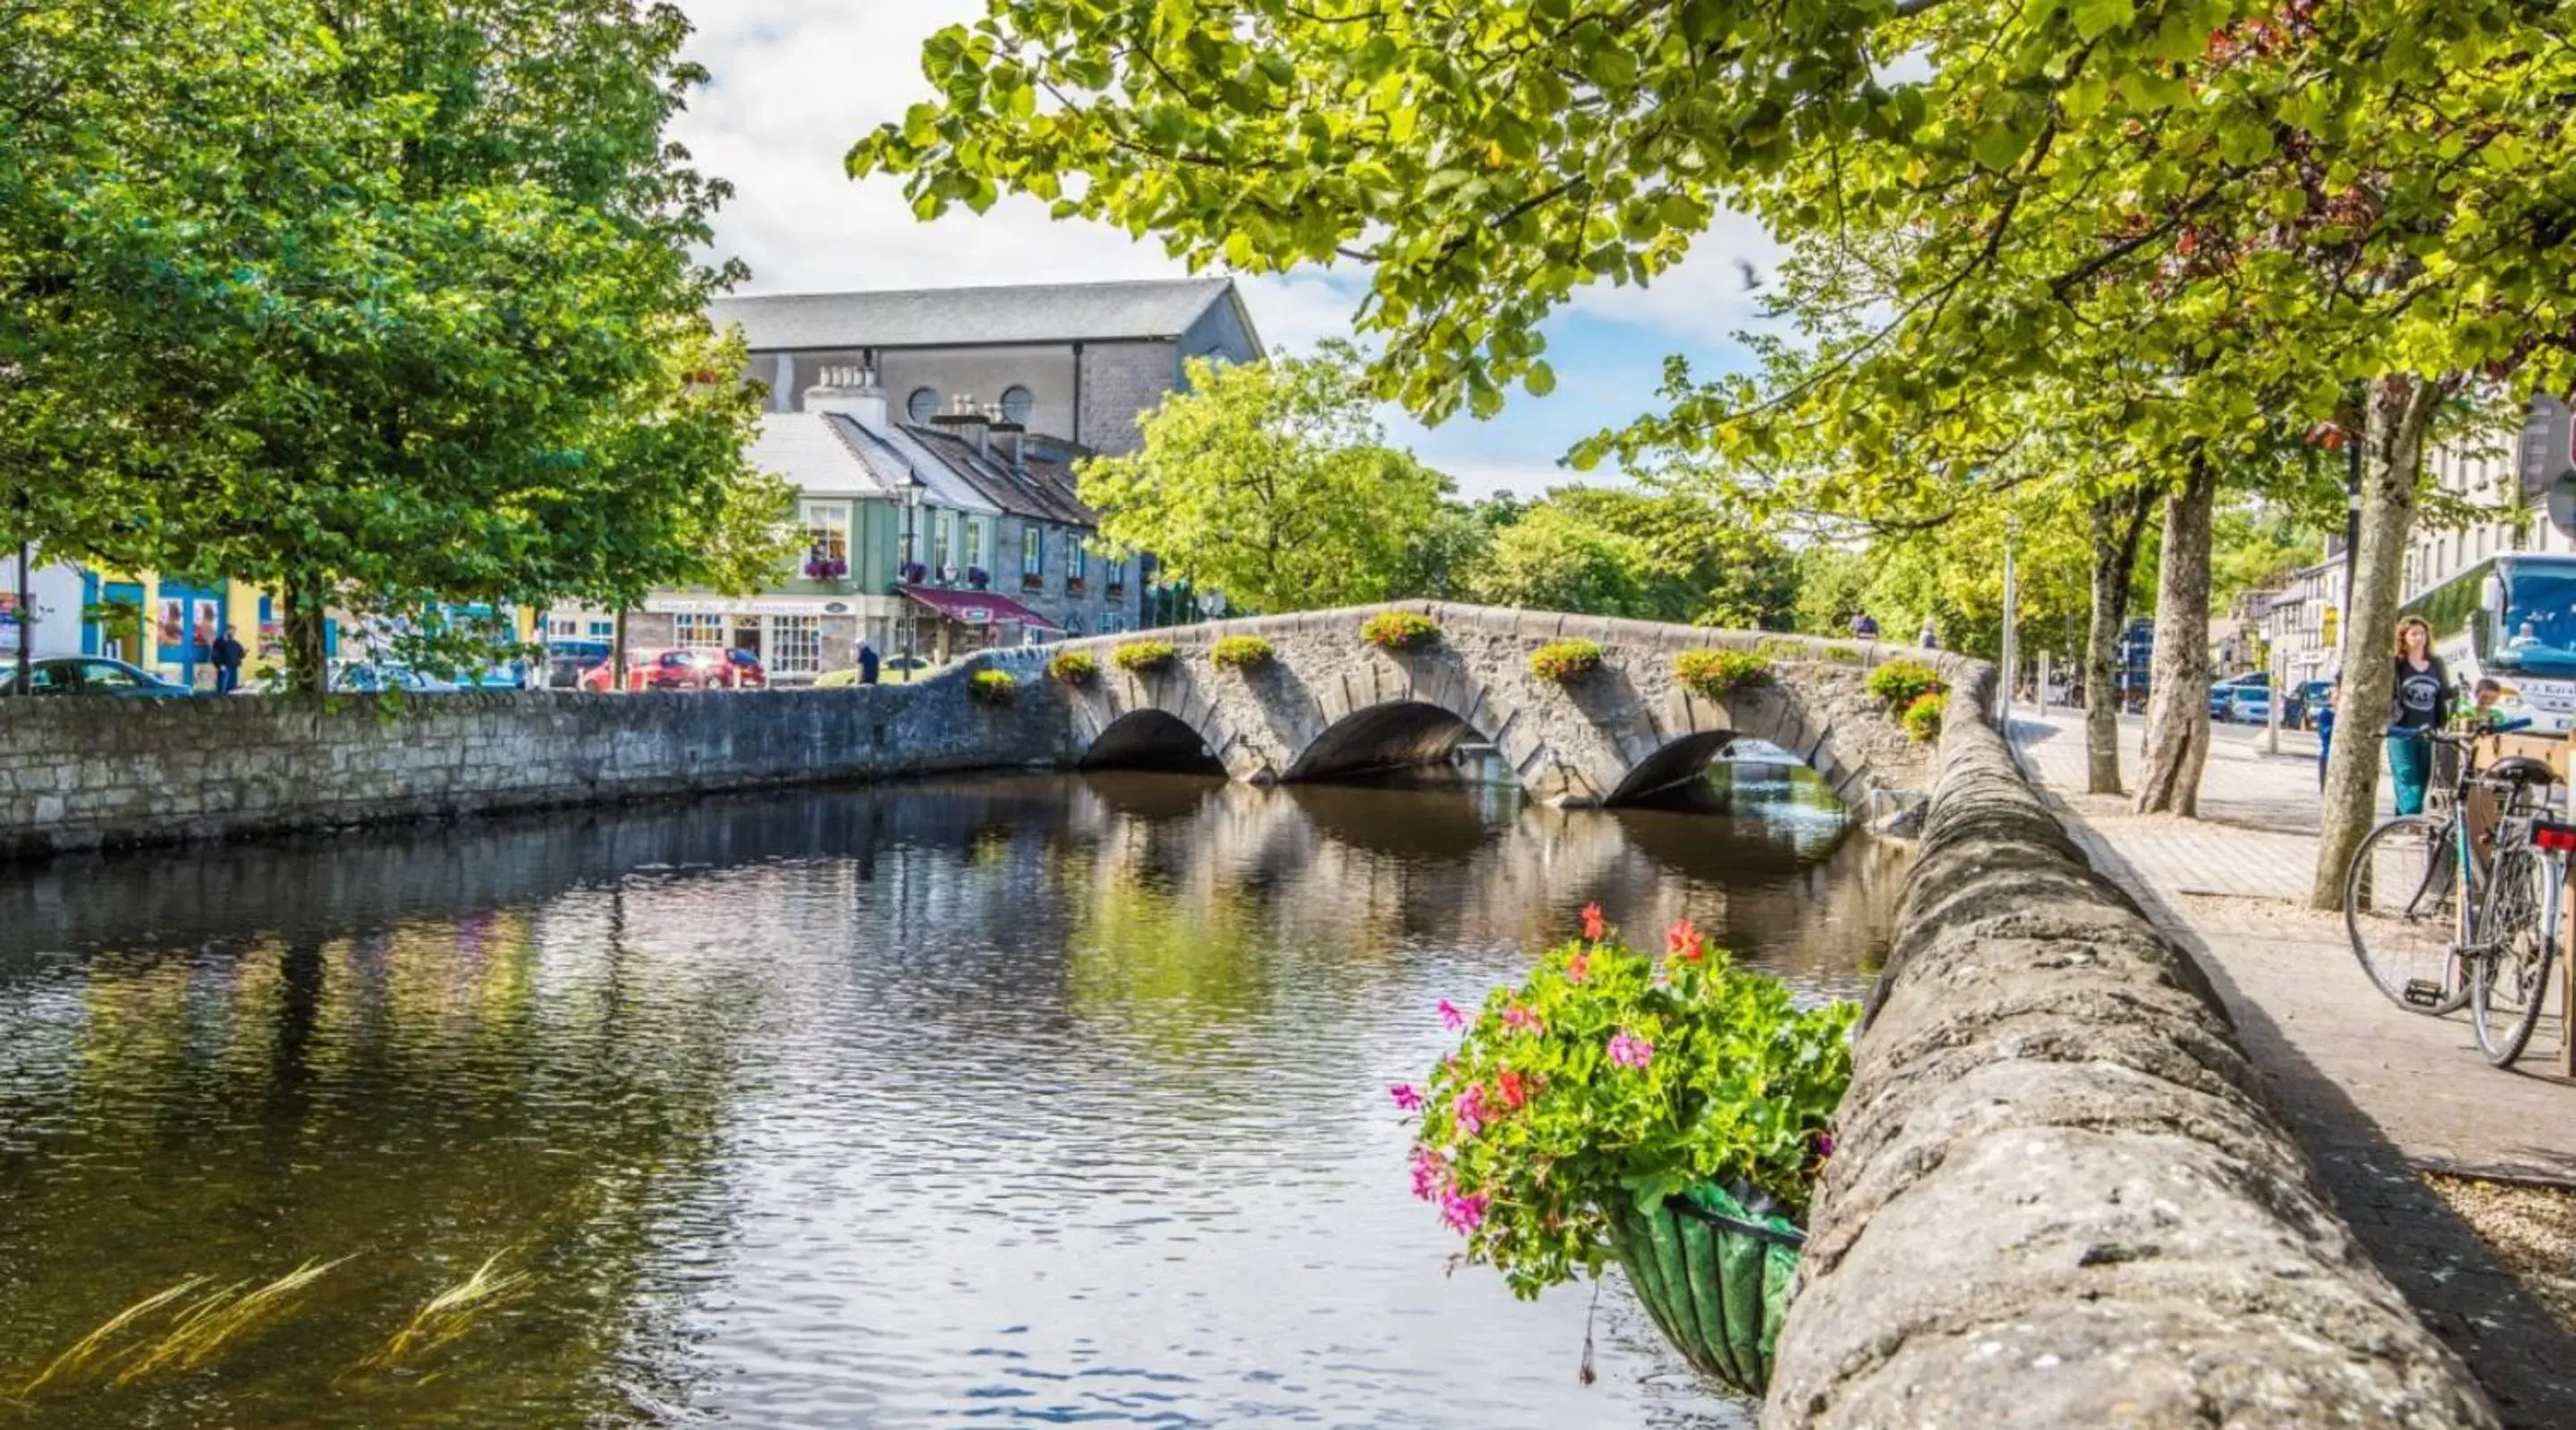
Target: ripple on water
(1044,1100)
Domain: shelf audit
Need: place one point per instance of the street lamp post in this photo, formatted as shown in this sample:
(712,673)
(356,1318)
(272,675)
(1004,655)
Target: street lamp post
(911,545)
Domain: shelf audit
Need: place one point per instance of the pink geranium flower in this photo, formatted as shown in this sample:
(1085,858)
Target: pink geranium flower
(1430,1175)
(1522,1020)
(1450,1017)
(1630,1051)
(1593,928)
(1406,1097)
(1469,1111)
(1462,1212)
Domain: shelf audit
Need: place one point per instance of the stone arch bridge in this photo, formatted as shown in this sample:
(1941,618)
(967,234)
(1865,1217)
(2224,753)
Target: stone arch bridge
(1329,704)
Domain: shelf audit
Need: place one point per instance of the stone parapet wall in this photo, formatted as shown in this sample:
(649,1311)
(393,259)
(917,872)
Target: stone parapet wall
(2060,1197)
(81,773)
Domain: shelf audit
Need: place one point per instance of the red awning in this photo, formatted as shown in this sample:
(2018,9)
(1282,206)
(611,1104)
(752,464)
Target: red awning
(979,608)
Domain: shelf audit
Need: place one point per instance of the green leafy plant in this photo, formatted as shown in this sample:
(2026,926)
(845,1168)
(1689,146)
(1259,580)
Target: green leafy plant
(1073,667)
(1240,653)
(1140,657)
(1565,661)
(1783,650)
(1714,673)
(1400,630)
(1923,717)
(993,687)
(1842,652)
(1609,1076)
(1900,683)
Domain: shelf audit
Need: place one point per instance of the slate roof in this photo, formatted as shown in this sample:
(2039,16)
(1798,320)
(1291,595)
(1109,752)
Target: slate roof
(807,449)
(898,462)
(1044,491)
(954,317)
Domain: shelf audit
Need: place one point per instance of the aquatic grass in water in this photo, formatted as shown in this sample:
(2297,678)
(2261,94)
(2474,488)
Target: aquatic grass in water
(449,1314)
(207,1324)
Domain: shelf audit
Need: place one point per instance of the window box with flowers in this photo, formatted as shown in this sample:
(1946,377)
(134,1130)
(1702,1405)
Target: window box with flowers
(1672,1115)
(1075,585)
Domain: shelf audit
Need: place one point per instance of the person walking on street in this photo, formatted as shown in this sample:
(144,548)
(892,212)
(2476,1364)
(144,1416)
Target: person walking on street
(2422,705)
(227,655)
(1931,637)
(2325,727)
(1865,626)
(867,664)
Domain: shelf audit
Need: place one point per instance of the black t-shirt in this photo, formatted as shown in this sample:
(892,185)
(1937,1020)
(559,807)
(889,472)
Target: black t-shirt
(2423,696)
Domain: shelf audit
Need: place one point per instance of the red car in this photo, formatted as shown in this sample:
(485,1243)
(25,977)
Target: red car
(742,670)
(664,670)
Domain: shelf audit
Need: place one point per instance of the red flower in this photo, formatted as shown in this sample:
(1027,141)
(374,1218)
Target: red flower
(1514,1094)
(1592,926)
(1685,942)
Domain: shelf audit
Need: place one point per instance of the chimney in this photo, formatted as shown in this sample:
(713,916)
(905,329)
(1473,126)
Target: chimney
(968,422)
(1013,441)
(852,392)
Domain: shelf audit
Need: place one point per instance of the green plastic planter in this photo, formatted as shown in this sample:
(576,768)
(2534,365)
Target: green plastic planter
(1714,1276)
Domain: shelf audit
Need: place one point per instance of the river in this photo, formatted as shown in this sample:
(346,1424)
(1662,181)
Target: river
(1033,1099)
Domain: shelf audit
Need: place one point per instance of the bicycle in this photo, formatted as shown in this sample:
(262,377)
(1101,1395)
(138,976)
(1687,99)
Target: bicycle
(2416,879)
(2515,934)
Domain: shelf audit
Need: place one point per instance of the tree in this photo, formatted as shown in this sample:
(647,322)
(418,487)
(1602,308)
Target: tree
(1556,559)
(419,326)
(1706,565)
(1272,483)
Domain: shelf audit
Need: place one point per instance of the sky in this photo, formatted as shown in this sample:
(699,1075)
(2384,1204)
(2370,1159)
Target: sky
(796,81)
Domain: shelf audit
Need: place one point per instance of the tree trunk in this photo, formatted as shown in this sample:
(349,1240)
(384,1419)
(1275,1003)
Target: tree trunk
(2119,523)
(2178,690)
(2401,410)
(617,652)
(307,652)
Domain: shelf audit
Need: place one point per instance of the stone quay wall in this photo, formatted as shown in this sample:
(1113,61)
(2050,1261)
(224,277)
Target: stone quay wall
(81,774)
(2060,1198)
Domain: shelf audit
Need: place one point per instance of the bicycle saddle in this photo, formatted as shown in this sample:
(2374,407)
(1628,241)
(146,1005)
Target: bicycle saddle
(2521,769)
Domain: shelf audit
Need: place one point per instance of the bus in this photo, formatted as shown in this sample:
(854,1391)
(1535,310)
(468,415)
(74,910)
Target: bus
(2512,618)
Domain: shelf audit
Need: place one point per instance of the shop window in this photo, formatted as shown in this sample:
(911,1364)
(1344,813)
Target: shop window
(1032,552)
(698,631)
(939,542)
(795,645)
(974,542)
(827,541)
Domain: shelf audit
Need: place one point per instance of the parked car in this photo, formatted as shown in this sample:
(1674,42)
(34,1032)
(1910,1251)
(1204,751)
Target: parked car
(368,677)
(2222,696)
(2310,697)
(661,670)
(742,670)
(89,675)
(2250,705)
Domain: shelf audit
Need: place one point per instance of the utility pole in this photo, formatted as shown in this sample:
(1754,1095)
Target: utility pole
(26,612)
(2011,614)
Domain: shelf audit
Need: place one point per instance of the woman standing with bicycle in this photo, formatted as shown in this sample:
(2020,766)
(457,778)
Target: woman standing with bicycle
(2422,705)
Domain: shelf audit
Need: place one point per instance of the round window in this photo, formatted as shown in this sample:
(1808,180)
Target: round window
(922,405)
(1017,404)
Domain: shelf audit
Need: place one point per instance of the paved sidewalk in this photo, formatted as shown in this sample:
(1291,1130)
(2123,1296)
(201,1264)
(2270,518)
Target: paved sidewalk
(2374,1092)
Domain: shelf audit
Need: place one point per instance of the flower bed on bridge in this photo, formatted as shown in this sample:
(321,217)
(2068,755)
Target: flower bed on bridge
(993,687)
(1400,630)
(1143,657)
(1671,1114)
(1565,661)
(1713,674)
(1240,653)
(1073,667)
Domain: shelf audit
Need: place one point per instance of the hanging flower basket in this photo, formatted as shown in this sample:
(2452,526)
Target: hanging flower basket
(1714,1276)
(1670,1114)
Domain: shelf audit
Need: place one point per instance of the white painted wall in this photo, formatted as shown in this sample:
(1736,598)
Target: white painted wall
(56,591)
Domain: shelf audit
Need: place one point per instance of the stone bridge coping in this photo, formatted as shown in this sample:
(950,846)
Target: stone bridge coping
(1332,705)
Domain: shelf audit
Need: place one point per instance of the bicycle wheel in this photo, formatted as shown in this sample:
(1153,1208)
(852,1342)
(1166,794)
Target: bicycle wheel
(2400,905)
(2509,975)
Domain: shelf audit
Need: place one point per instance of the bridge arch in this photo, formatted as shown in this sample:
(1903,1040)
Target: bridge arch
(1150,738)
(1326,704)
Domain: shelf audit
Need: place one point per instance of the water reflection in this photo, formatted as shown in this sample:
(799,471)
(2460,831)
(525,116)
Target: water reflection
(1038,1098)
